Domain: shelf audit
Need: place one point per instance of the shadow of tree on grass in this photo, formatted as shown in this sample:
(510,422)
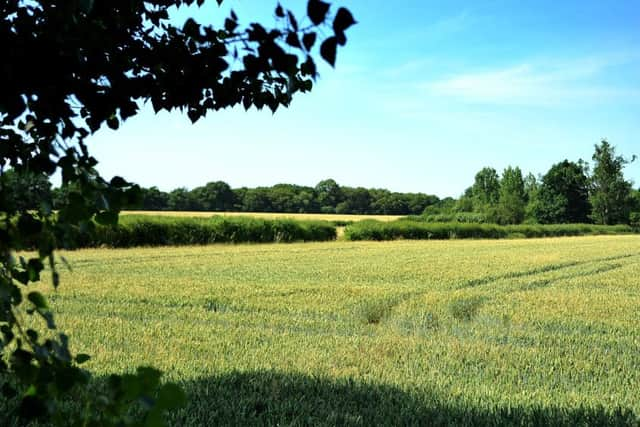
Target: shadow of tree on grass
(268,398)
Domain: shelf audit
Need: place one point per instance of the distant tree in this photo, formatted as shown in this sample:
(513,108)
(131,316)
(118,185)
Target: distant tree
(182,199)
(22,190)
(305,200)
(531,190)
(442,206)
(564,194)
(257,200)
(154,200)
(356,201)
(512,200)
(214,196)
(284,198)
(390,204)
(466,202)
(634,216)
(418,202)
(611,195)
(486,188)
(328,195)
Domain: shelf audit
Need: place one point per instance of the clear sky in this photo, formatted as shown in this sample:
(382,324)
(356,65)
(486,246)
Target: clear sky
(424,95)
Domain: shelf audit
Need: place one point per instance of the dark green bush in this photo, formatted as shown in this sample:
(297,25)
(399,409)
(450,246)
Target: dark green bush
(407,229)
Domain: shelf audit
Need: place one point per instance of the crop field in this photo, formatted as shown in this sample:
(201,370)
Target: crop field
(270,215)
(484,332)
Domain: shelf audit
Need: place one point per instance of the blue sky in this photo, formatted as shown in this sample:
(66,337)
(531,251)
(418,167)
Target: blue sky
(423,96)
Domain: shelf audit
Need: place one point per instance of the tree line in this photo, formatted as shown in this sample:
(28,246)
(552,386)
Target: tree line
(326,197)
(569,192)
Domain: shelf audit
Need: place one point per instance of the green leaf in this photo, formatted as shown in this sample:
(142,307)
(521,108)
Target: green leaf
(38,300)
(328,50)
(317,11)
(279,11)
(34,267)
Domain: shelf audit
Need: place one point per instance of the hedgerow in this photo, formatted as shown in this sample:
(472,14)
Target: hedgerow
(133,230)
(406,229)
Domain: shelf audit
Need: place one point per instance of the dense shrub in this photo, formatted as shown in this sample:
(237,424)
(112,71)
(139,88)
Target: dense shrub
(407,229)
(134,230)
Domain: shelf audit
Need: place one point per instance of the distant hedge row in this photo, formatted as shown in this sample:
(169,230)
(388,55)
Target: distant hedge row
(466,217)
(134,230)
(405,229)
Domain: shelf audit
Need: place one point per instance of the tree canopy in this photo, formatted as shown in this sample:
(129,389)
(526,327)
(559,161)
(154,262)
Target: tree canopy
(611,195)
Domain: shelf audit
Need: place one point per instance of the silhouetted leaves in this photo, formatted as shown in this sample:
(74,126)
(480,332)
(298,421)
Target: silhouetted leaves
(328,50)
(343,20)
(279,11)
(293,40)
(292,20)
(317,11)
(308,40)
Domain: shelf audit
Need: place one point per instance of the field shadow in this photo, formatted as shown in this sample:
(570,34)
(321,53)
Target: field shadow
(267,398)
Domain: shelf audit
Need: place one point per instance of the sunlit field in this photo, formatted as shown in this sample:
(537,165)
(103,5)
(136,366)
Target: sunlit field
(522,332)
(269,215)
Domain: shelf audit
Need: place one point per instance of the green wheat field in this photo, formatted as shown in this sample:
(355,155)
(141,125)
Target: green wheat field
(467,332)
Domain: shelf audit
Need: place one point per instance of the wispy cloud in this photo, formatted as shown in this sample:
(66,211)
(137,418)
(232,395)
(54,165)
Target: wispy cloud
(541,83)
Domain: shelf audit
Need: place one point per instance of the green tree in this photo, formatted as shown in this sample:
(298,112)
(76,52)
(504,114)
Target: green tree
(531,190)
(611,195)
(68,69)
(214,196)
(564,194)
(512,200)
(256,200)
(356,201)
(25,190)
(154,200)
(329,194)
(181,199)
(486,188)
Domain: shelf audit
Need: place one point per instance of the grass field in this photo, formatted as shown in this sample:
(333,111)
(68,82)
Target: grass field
(521,332)
(269,215)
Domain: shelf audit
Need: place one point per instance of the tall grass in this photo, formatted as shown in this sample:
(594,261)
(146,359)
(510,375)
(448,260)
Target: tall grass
(407,229)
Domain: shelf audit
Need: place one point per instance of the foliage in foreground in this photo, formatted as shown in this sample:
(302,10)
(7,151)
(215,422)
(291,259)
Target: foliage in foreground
(70,68)
(490,332)
(407,229)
